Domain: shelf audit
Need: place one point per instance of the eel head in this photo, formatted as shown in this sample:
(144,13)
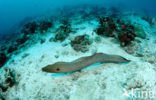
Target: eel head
(56,68)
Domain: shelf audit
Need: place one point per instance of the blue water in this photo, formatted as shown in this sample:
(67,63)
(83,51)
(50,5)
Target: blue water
(15,12)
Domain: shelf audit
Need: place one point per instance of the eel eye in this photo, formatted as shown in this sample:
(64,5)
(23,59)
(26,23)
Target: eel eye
(57,69)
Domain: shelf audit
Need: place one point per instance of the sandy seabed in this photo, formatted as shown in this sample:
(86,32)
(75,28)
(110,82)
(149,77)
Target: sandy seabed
(106,81)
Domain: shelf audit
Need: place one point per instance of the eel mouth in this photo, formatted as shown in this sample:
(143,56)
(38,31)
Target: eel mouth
(45,69)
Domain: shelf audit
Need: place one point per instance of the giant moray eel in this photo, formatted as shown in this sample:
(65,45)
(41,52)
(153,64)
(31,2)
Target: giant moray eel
(78,64)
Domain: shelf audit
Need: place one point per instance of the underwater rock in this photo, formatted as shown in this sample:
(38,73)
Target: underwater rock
(30,28)
(44,26)
(107,26)
(135,49)
(52,39)
(62,32)
(125,33)
(12,49)
(65,21)
(64,44)
(139,54)
(135,84)
(3,59)
(16,44)
(25,55)
(120,30)
(151,59)
(80,43)
(22,40)
(33,27)
(139,32)
(129,50)
(125,39)
(97,39)
(3,48)
(10,80)
(3,88)
(149,19)
(56,56)
(42,40)
(2,97)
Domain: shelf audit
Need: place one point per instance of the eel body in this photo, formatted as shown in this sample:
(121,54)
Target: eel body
(78,64)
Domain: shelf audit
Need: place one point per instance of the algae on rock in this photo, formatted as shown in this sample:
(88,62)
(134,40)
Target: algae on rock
(3,59)
(81,43)
(62,32)
(139,32)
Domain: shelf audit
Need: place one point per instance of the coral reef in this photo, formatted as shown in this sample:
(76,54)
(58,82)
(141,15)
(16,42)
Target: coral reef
(123,31)
(17,43)
(81,43)
(126,35)
(30,28)
(12,49)
(3,48)
(10,80)
(63,32)
(45,25)
(107,26)
(22,38)
(3,59)
(34,26)
(1,97)
(42,40)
